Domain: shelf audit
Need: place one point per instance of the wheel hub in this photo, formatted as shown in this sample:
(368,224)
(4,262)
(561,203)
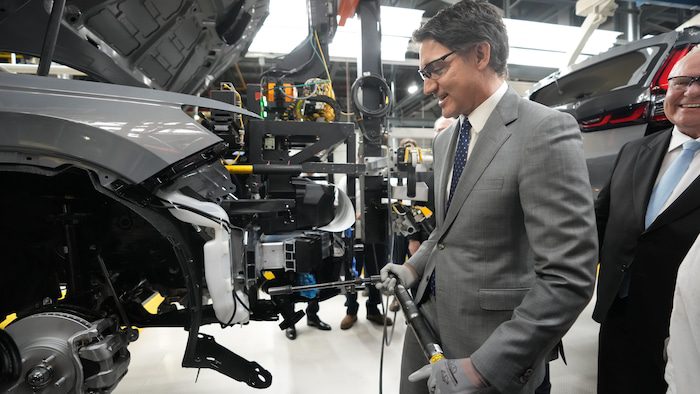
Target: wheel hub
(48,363)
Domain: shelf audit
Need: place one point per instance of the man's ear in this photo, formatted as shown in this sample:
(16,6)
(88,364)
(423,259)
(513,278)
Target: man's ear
(483,55)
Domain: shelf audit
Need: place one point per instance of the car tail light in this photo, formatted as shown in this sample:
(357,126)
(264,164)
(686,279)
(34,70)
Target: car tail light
(659,84)
(636,113)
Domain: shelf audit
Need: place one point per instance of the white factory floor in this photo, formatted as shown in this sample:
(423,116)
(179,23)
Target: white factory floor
(337,361)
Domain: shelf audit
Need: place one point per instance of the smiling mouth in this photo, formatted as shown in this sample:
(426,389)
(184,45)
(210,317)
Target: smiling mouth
(441,99)
(690,105)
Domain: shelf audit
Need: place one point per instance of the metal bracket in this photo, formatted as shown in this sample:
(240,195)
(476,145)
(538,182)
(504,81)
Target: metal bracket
(376,165)
(209,354)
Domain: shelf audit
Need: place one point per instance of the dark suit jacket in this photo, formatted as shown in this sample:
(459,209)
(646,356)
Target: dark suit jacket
(651,256)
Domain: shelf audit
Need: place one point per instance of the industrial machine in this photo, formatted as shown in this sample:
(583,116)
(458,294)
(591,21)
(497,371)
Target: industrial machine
(130,207)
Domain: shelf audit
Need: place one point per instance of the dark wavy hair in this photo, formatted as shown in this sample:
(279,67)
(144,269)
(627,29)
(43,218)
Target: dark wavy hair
(466,23)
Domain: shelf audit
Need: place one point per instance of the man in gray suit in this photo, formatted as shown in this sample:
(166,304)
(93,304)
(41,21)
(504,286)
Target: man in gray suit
(511,262)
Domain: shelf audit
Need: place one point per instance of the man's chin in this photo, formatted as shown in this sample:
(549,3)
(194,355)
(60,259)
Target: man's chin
(449,113)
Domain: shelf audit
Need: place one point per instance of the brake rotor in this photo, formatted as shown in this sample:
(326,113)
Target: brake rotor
(48,364)
(10,361)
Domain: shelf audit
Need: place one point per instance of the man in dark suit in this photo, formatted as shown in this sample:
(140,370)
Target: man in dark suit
(511,262)
(648,217)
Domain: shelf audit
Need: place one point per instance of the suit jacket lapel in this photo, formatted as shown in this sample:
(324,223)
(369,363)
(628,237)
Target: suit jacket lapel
(646,168)
(447,145)
(491,138)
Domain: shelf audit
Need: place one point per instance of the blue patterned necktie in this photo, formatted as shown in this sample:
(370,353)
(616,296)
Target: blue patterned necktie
(460,160)
(669,181)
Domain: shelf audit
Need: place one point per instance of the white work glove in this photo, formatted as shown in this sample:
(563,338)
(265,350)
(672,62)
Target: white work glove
(447,377)
(405,273)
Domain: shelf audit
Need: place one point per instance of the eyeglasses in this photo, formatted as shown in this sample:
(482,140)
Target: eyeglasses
(434,67)
(682,82)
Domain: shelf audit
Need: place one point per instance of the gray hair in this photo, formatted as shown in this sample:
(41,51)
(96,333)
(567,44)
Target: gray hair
(466,23)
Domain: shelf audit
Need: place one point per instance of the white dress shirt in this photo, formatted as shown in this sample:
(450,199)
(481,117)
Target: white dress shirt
(683,366)
(674,150)
(477,119)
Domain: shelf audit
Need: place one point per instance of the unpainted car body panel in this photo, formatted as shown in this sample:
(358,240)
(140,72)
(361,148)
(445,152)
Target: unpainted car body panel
(131,132)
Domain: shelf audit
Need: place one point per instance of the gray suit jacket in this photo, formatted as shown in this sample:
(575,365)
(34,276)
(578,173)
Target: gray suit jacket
(515,254)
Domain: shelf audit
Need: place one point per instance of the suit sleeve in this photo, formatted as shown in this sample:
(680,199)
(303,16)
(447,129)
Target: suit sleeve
(557,205)
(420,259)
(602,210)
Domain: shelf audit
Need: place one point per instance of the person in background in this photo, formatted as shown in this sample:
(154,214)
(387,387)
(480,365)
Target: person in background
(368,262)
(684,332)
(312,307)
(511,262)
(648,217)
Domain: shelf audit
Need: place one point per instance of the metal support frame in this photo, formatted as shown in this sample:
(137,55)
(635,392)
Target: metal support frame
(320,137)
(596,12)
(374,214)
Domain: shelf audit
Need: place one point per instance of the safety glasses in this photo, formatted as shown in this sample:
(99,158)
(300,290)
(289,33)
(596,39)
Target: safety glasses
(682,82)
(434,68)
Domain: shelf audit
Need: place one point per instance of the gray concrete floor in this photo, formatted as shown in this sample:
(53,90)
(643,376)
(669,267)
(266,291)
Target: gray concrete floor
(337,361)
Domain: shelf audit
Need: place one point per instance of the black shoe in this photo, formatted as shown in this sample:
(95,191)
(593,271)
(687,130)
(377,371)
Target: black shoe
(315,321)
(291,333)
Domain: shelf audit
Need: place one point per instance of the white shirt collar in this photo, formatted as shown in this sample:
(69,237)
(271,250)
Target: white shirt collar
(677,138)
(481,114)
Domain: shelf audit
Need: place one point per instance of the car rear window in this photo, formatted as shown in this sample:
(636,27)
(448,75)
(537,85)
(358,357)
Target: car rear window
(620,71)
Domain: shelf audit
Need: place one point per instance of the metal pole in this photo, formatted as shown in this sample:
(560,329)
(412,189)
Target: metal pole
(632,22)
(50,37)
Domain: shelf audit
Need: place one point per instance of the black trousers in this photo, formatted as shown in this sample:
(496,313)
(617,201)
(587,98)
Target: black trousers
(630,361)
(312,308)
(373,259)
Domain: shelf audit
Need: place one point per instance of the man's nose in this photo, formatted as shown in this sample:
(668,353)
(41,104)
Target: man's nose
(693,89)
(429,87)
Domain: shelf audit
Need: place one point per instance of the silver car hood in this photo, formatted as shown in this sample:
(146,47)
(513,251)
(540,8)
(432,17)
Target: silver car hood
(133,133)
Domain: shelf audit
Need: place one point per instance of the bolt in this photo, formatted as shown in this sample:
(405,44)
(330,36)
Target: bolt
(39,376)
(60,382)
